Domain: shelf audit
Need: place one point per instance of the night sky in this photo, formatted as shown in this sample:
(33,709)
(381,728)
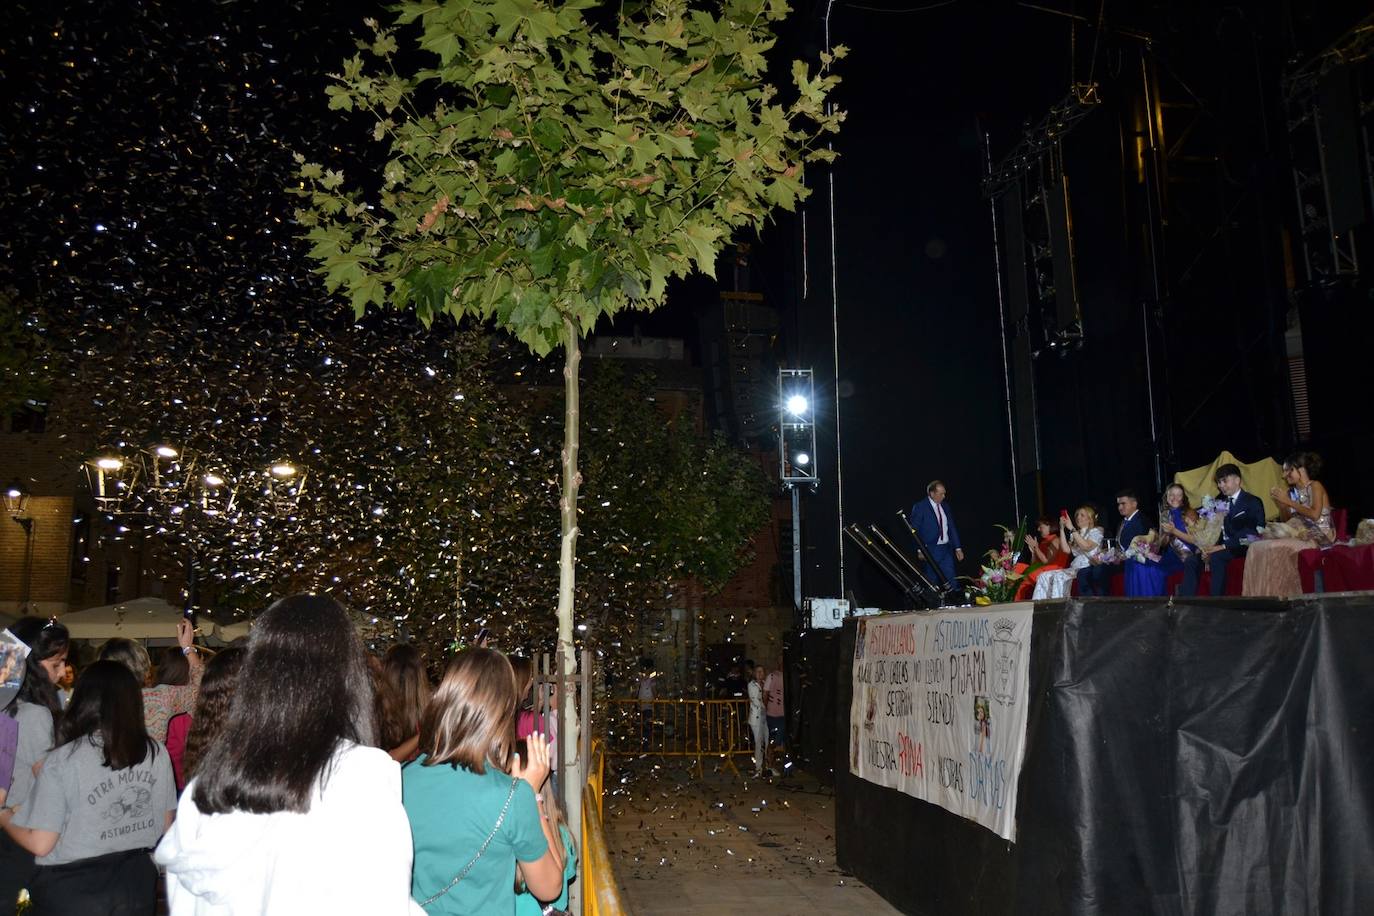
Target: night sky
(144,146)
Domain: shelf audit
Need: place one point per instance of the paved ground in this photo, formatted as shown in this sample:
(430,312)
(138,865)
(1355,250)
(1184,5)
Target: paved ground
(726,844)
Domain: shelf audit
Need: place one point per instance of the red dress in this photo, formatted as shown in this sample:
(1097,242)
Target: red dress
(1058,559)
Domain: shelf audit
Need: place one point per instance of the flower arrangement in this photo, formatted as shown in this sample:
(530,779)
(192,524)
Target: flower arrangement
(1000,579)
(1206,531)
(1143,548)
(1276,530)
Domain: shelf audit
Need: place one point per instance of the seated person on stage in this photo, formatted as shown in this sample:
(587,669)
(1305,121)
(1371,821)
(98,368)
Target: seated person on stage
(1043,554)
(1093,580)
(1175,544)
(931,519)
(1082,542)
(1240,525)
(1305,508)
(1271,567)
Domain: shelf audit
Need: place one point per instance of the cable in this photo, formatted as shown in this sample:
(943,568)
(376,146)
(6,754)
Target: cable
(835,328)
(914,9)
(1097,34)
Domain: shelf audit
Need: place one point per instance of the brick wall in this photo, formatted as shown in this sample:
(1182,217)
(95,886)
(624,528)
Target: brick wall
(49,465)
(50,566)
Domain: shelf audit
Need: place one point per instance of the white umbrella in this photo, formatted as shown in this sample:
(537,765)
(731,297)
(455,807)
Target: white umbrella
(233,631)
(141,618)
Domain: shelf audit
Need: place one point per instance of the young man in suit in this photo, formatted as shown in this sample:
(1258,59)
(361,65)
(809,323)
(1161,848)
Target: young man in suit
(1242,522)
(932,521)
(1093,580)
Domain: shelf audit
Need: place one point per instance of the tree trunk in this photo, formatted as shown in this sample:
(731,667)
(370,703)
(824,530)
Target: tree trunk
(569,770)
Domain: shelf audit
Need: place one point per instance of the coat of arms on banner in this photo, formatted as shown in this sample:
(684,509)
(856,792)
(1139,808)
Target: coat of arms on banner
(1006,661)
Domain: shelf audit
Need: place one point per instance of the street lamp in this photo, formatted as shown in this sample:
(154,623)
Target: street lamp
(285,484)
(17,504)
(110,479)
(17,500)
(168,470)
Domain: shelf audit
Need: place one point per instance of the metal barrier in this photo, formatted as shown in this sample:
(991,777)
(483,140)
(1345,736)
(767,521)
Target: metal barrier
(600,893)
(679,728)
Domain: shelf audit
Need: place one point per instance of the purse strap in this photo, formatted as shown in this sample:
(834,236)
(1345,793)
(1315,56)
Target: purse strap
(500,819)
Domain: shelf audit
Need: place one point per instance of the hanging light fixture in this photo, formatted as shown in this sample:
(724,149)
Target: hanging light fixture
(110,479)
(17,499)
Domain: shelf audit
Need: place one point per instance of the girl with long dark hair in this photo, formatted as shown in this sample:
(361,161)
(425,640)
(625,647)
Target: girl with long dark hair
(212,708)
(37,710)
(292,810)
(103,798)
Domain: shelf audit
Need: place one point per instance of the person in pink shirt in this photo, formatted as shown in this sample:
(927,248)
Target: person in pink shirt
(160,701)
(775,712)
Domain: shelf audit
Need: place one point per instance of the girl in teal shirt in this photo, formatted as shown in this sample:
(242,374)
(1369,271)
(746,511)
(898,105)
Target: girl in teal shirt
(526,904)
(472,801)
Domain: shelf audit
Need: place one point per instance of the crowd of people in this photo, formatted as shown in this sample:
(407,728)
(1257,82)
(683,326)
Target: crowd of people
(294,774)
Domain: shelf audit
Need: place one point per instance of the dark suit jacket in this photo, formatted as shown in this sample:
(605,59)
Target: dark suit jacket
(1132,529)
(1244,519)
(928,526)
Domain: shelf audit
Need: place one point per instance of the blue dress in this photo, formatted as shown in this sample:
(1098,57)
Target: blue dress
(1148,579)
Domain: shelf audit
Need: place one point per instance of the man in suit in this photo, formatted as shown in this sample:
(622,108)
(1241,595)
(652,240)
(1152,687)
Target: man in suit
(1242,522)
(1094,579)
(932,521)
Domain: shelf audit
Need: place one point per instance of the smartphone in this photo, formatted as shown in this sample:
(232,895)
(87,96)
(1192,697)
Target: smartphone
(482,636)
(1063,513)
(189,613)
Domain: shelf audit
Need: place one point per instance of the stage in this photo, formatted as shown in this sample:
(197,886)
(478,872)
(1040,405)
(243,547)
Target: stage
(1209,756)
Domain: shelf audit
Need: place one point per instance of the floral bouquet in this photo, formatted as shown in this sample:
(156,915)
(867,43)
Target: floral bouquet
(1277,530)
(1206,531)
(999,579)
(1143,548)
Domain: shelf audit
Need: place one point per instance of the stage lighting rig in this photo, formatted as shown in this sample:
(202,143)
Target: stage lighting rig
(796,452)
(796,428)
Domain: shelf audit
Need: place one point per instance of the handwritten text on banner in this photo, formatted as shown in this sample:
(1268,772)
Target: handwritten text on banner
(939,708)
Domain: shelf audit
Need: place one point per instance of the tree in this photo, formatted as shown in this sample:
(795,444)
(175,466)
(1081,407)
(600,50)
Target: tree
(664,506)
(545,170)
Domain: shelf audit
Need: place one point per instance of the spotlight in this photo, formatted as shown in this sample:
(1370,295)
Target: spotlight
(109,463)
(803,459)
(797,405)
(283,469)
(166,451)
(214,480)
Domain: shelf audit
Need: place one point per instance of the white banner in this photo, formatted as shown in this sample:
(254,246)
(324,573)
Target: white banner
(939,708)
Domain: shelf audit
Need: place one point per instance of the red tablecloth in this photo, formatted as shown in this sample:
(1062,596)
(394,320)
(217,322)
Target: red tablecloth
(1343,569)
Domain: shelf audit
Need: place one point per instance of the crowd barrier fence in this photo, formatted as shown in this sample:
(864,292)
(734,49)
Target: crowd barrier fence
(695,729)
(600,893)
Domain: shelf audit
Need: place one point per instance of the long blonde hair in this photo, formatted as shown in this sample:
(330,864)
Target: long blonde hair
(470,720)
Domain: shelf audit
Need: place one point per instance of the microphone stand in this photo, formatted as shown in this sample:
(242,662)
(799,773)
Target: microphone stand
(923,552)
(916,589)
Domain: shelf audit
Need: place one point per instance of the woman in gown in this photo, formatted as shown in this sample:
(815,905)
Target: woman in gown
(1045,555)
(1271,564)
(1152,576)
(1083,542)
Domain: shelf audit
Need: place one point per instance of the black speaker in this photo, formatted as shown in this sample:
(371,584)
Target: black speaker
(1023,376)
(1015,246)
(1340,139)
(1061,244)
